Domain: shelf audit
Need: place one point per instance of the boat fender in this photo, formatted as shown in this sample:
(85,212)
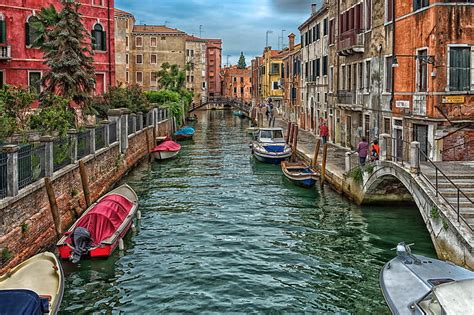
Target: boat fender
(139,215)
(121,245)
(134,228)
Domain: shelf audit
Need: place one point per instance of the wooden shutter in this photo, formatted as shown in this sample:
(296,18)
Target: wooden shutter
(27,34)
(357,18)
(93,39)
(104,41)
(369,14)
(3,33)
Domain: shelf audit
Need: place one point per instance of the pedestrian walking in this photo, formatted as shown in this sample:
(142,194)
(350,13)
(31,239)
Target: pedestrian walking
(324,132)
(375,151)
(363,150)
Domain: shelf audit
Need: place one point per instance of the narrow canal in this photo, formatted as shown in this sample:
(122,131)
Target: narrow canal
(222,233)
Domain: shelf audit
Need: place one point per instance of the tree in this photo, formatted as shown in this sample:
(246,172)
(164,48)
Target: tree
(15,106)
(242,64)
(171,77)
(67,53)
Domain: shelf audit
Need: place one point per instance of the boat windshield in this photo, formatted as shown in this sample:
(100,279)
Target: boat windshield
(267,134)
(277,134)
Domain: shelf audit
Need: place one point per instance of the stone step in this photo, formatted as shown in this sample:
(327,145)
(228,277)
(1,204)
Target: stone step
(466,177)
(446,184)
(454,193)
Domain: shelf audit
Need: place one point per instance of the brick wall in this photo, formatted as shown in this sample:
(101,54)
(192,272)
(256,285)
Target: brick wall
(459,146)
(26,223)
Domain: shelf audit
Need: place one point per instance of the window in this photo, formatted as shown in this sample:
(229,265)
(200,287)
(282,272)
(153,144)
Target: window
(139,59)
(3,31)
(153,42)
(318,67)
(331,31)
(127,77)
(32,33)
(139,41)
(325,65)
(368,15)
(422,70)
(318,31)
(98,2)
(235,90)
(388,11)
(325,26)
(388,73)
(34,81)
(98,38)
(349,77)
(419,4)
(153,59)
(459,68)
(2,79)
(153,78)
(126,41)
(127,59)
(367,75)
(310,35)
(163,38)
(275,68)
(331,79)
(314,34)
(343,76)
(242,91)
(275,85)
(139,77)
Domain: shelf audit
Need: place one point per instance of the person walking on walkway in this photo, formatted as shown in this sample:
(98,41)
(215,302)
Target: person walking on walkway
(324,132)
(375,151)
(363,150)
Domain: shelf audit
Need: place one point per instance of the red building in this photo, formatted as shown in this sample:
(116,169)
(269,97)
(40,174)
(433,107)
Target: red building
(237,83)
(214,59)
(22,65)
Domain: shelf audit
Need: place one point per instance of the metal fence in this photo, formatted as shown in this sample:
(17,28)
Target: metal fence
(130,124)
(61,153)
(31,164)
(83,148)
(3,175)
(113,132)
(100,137)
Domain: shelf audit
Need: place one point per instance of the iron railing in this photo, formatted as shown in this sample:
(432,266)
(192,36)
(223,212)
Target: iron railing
(100,137)
(3,175)
(61,153)
(113,132)
(83,146)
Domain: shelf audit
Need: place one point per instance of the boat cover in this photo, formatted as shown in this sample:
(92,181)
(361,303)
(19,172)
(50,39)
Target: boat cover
(22,302)
(168,146)
(185,131)
(106,217)
(275,148)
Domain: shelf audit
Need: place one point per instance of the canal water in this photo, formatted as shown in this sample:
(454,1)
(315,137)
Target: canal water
(222,233)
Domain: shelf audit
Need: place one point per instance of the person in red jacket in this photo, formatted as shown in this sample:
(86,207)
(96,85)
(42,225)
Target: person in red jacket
(324,132)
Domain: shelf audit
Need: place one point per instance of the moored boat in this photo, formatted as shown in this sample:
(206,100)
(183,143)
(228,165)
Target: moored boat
(185,133)
(166,150)
(270,147)
(414,284)
(35,286)
(102,227)
(239,113)
(299,173)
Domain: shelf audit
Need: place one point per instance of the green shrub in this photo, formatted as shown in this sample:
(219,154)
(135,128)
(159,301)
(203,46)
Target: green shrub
(54,116)
(357,175)
(131,97)
(435,213)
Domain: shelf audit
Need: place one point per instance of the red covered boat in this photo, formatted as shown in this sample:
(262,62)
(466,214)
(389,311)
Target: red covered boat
(166,150)
(100,229)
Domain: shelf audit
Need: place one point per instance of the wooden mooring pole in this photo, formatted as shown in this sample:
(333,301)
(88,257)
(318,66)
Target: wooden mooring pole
(85,183)
(295,141)
(288,133)
(53,206)
(323,164)
(316,153)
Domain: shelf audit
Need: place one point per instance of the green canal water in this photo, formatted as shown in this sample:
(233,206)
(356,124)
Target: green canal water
(222,233)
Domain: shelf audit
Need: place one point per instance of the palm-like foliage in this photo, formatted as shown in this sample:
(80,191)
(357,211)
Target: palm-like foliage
(171,77)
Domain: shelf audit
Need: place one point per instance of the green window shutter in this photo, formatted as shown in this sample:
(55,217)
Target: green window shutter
(3,32)
(93,40)
(27,34)
(104,41)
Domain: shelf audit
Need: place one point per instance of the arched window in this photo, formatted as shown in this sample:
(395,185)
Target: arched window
(99,38)
(3,30)
(32,33)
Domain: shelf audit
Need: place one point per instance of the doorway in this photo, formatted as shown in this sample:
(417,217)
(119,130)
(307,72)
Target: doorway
(398,144)
(420,134)
(349,131)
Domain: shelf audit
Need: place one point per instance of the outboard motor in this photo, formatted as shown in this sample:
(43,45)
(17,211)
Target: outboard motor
(404,252)
(81,241)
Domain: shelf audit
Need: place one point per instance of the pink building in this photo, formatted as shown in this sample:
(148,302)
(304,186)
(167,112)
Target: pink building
(214,60)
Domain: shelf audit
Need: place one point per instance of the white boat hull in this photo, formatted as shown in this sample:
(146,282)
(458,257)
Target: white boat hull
(164,155)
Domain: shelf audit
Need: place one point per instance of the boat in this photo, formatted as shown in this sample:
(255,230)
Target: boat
(166,150)
(35,286)
(239,113)
(269,146)
(185,133)
(299,173)
(414,284)
(102,227)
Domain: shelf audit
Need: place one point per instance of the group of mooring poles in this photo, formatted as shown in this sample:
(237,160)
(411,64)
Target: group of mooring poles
(292,140)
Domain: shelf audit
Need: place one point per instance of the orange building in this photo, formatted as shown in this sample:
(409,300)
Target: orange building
(433,80)
(237,83)
(214,60)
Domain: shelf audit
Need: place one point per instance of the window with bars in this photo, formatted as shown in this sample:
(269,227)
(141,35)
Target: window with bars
(422,70)
(459,68)
(388,74)
(419,4)
(99,40)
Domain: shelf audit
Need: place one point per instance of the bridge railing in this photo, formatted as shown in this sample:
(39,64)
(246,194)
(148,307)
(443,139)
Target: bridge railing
(234,102)
(399,151)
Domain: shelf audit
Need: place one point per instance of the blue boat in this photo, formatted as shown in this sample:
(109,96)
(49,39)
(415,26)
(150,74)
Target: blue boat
(269,146)
(300,174)
(185,133)
(239,113)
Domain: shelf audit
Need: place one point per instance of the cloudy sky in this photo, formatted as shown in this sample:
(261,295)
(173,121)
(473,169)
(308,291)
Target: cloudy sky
(241,24)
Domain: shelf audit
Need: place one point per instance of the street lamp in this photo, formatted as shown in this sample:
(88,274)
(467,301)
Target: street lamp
(268,32)
(423,59)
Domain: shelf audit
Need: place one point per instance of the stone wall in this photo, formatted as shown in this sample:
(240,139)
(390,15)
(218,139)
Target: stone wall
(26,222)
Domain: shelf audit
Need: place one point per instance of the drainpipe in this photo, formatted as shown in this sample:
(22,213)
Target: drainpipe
(110,41)
(392,99)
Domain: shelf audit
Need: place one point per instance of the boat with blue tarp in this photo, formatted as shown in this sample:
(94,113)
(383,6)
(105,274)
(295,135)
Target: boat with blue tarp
(239,113)
(300,173)
(185,133)
(269,146)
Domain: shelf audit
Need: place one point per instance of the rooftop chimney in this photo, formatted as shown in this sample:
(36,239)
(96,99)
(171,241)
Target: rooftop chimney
(313,7)
(291,39)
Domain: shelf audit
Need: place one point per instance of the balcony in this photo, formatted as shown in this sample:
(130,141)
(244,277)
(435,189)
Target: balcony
(5,52)
(352,100)
(351,42)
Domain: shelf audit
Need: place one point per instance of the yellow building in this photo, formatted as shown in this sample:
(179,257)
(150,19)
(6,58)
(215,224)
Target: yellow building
(271,74)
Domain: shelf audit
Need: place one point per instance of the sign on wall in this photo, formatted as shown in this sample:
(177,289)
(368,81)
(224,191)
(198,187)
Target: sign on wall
(402,104)
(454,99)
